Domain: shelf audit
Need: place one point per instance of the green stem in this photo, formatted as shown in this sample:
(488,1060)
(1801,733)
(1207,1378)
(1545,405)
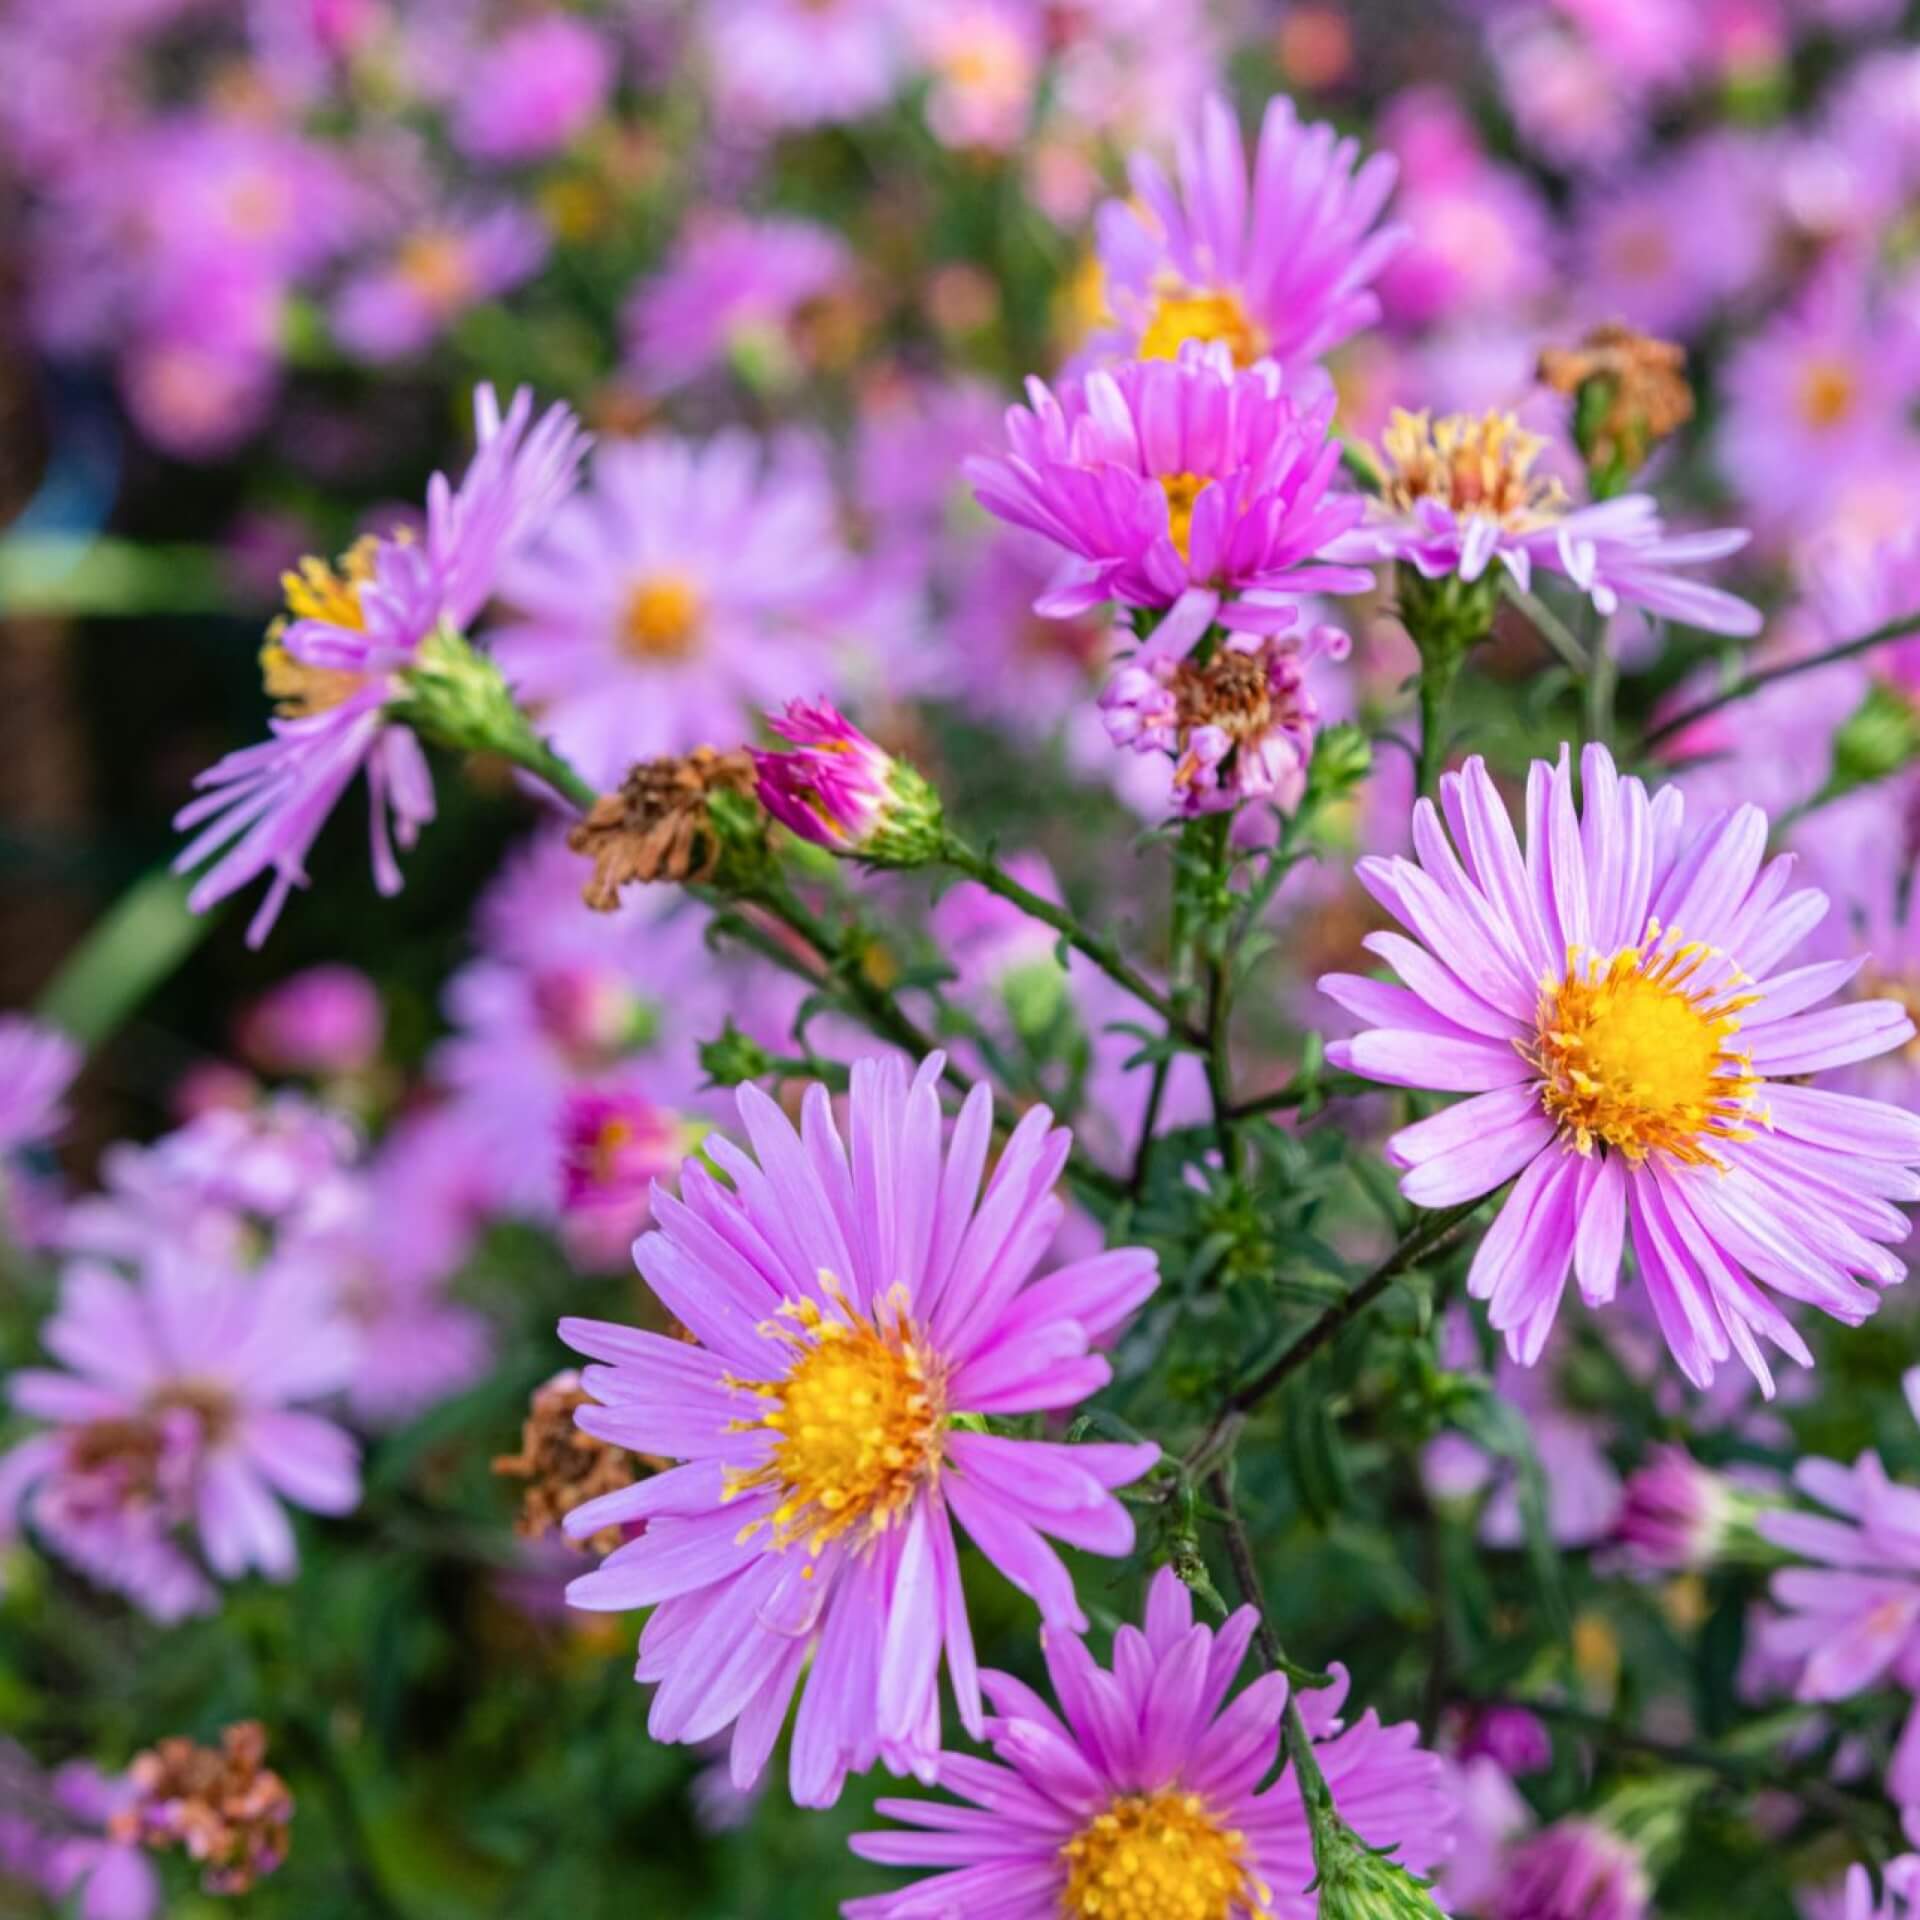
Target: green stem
(1437,680)
(1551,628)
(1097,947)
(1754,683)
(539,759)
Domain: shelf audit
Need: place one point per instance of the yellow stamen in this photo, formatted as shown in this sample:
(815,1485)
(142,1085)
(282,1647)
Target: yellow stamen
(1182,313)
(662,620)
(1482,466)
(1160,1856)
(437,267)
(1635,1055)
(1182,490)
(859,1421)
(330,595)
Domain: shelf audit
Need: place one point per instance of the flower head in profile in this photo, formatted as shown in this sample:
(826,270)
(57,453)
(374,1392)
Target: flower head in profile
(1192,488)
(1143,1794)
(1850,1620)
(1675,1514)
(1238,725)
(1461,492)
(182,1408)
(853,1304)
(1615,1001)
(1282,265)
(335,664)
(835,787)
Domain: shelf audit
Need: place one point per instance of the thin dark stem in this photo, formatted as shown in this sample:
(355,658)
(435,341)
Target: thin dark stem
(1097,947)
(1143,1153)
(1428,1235)
(1756,682)
(1299,1090)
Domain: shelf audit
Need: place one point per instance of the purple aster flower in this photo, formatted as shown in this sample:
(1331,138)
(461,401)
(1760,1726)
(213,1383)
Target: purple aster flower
(337,663)
(731,289)
(183,1404)
(850,1302)
(53,1834)
(833,786)
(615,1144)
(537,86)
(1515,1738)
(1489,1817)
(1285,268)
(444,267)
(692,582)
(1143,1793)
(1461,492)
(1179,486)
(1851,1620)
(37,1065)
(802,63)
(1574,1870)
(1614,1001)
(1238,726)
(322,1021)
(985,58)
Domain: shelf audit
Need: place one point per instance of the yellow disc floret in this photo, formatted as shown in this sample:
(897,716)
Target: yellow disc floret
(1182,313)
(1160,1856)
(859,1422)
(330,595)
(662,620)
(1472,465)
(1636,1055)
(1182,490)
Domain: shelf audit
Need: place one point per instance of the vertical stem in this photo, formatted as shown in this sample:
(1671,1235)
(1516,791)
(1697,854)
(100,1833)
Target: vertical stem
(1603,675)
(1436,704)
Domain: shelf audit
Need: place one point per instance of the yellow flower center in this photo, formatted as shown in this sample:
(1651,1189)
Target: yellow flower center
(859,1422)
(1182,313)
(1636,1057)
(1160,1856)
(330,595)
(1182,490)
(437,267)
(1828,392)
(1470,465)
(662,620)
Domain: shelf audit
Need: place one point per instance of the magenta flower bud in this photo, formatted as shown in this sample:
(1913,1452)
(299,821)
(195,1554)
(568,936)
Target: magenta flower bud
(1511,1736)
(841,791)
(326,1020)
(1676,1514)
(1575,1870)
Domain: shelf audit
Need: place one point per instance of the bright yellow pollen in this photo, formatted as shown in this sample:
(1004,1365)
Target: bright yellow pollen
(1182,490)
(1634,1055)
(1828,392)
(1482,466)
(859,1422)
(1160,1856)
(662,619)
(332,596)
(1182,313)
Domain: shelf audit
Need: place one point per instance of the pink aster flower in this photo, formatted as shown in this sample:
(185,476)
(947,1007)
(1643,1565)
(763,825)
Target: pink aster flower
(1674,1513)
(1147,1784)
(835,787)
(537,86)
(615,1144)
(1192,487)
(1851,1620)
(849,1302)
(1615,1002)
(54,1834)
(1460,493)
(1852,1898)
(1285,267)
(439,271)
(335,666)
(37,1065)
(985,57)
(1238,727)
(802,63)
(692,582)
(183,1406)
(1574,1870)
(731,289)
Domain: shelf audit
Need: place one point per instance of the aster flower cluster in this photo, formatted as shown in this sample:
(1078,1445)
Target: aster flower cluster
(1162,774)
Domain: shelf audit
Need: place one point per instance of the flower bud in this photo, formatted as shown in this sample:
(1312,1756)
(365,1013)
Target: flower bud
(841,791)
